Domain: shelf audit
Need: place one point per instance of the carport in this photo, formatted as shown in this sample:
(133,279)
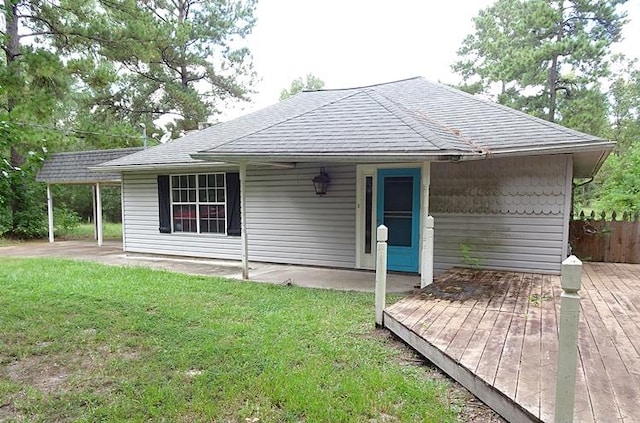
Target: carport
(72,168)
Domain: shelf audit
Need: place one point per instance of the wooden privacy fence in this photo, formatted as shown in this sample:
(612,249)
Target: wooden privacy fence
(614,238)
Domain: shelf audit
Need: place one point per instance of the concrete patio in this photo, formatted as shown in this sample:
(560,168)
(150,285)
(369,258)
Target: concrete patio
(111,253)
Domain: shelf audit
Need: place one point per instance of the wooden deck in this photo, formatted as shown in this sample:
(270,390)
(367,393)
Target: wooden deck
(497,334)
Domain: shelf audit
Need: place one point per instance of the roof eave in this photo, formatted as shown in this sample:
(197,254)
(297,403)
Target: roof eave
(157,166)
(352,157)
(555,149)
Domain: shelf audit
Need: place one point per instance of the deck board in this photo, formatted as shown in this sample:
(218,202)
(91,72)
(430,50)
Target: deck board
(502,328)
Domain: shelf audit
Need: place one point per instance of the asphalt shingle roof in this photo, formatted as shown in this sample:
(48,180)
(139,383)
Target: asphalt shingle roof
(72,167)
(409,117)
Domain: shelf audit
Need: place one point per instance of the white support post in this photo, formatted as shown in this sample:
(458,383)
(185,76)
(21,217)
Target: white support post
(381,272)
(99,213)
(426,261)
(568,339)
(243,222)
(50,213)
(124,233)
(426,246)
(95,214)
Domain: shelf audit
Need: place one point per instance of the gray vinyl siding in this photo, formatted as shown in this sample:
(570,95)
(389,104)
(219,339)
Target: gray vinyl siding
(287,222)
(505,213)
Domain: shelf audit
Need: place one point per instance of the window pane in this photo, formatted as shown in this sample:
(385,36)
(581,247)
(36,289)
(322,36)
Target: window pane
(184,218)
(192,195)
(192,181)
(183,181)
(202,196)
(212,195)
(202,181)
(220,180)
(175,194)
(220,198)
(175,181)
(211,180)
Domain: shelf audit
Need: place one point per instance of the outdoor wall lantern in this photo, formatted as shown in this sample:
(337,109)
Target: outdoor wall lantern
(321,182)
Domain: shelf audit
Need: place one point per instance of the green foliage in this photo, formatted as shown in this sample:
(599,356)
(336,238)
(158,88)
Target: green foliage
(542,55)
(65,220)
(298,85)
(84,74)
(468,257)
(87,231)
(616,185)
(22,200)
(620,187)
(95,343)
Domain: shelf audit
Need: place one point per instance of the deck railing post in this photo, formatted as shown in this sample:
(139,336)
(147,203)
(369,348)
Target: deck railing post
(568,339)
(426,261)
(382,235)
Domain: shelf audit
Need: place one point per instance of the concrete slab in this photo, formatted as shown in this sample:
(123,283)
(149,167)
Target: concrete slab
(305,276)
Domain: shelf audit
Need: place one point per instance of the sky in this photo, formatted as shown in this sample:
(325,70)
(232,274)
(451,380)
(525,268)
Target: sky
(350,43)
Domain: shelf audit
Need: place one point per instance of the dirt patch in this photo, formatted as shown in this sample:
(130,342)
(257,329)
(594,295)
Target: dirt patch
(467,284)
(472,409)
(54,374)
(39,372)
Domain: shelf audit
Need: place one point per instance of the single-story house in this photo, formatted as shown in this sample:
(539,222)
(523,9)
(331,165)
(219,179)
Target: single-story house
(498,183)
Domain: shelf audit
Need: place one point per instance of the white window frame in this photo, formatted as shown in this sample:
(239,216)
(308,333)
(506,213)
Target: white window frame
(199,203)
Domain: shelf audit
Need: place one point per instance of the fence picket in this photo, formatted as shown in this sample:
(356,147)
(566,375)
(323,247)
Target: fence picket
(614,240)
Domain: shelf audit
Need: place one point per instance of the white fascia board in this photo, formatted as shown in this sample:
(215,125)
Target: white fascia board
(342,157)
(160,166)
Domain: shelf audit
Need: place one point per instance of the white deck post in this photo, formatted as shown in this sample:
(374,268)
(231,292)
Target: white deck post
(243,222)
(426,247)
(381,271)
(99,213)
(50,212)
(568,339)
(426,265)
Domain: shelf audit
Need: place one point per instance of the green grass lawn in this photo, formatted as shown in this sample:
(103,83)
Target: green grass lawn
(85,342)
(86,231)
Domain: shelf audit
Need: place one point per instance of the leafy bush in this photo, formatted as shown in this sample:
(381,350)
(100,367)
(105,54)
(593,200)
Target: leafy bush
(65,220)
(620,189)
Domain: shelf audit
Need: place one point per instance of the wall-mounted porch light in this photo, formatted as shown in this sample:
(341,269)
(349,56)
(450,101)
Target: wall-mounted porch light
(321,182)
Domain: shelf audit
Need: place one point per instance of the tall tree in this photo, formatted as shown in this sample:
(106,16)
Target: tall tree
(34,82)
(188,58)
(75,69)
(311,83)
(541,53)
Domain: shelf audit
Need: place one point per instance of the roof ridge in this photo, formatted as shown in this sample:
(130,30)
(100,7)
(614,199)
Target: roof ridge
(97,150)
(511,110)
(410,115)
(361,87)
(280,121)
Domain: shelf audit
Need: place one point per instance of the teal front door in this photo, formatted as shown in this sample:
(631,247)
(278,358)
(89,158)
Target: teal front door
(398,208)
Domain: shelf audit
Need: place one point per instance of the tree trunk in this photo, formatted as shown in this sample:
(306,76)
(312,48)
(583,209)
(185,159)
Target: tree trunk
(12,53)
(553,84)
(553,70)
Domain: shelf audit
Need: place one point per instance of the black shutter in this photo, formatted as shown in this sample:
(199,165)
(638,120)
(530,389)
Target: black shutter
(164,204)
(233,204)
